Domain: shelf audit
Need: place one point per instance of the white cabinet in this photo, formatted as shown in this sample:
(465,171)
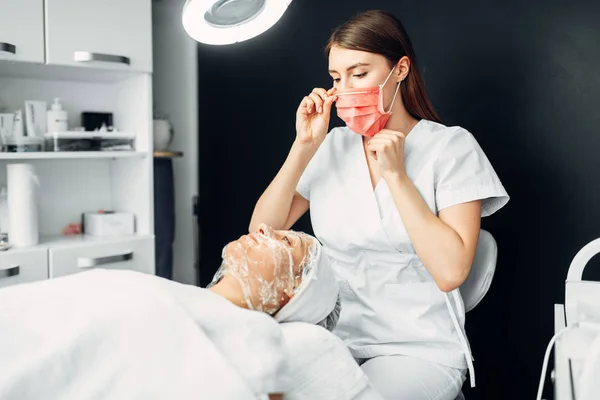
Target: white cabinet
(72,255)
(105,34)
(131,253)
(22,30)
(113,34)
(22,266)
(74,182)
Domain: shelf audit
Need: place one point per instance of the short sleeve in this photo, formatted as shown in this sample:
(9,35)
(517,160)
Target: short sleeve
(463,173)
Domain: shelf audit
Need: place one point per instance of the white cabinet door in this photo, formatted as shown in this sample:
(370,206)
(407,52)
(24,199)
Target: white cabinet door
(130,253)
(23,265)
(22,30)
(113,34)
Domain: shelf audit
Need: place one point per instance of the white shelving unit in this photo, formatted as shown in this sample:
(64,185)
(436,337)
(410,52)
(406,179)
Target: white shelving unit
(95,56)
(46,155)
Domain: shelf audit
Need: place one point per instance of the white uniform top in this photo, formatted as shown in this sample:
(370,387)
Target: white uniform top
(390,302)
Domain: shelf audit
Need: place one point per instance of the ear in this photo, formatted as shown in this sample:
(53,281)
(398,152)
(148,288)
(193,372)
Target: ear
(403,68)
(287,296)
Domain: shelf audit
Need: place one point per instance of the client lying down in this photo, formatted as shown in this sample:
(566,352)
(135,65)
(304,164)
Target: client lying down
(264,270)
(125,335)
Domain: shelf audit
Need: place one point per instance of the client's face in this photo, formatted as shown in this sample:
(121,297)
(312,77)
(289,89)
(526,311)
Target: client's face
(268,265)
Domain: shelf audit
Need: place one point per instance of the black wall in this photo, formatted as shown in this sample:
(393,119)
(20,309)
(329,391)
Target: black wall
(523,77)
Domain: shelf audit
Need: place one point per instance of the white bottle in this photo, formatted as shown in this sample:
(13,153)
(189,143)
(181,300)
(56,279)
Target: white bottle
(3,215)
(57,118)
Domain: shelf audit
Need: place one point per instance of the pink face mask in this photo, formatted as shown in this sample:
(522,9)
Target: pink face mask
(362,108)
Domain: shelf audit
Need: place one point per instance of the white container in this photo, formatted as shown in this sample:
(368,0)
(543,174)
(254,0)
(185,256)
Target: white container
(18,129)
(162,134)
(24,144)
(35,118)
(6,127)
(89,141)
(14,139)
(109,224)
(57,118)
(22,205)
(3,215)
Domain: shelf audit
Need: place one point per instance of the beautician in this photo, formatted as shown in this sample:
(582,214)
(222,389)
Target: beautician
(396,198)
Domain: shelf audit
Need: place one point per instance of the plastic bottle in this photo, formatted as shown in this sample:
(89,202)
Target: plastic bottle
(57,118)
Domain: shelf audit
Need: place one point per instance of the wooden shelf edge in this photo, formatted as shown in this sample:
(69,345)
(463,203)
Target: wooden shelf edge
(167,154)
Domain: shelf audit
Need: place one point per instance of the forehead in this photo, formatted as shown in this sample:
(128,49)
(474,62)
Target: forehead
(290,232)
(341,59)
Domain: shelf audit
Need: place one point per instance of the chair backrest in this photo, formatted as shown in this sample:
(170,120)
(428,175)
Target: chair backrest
(477,284)
(582,298)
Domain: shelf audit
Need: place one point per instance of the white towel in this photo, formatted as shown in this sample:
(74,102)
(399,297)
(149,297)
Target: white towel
(317,294)
(322,367)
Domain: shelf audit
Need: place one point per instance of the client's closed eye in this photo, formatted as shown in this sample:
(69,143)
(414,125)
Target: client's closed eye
(287,240)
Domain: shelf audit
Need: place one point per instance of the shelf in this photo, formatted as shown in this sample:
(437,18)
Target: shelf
(70,155)
(85,240)
(74,241)
(83,73)
(167,154)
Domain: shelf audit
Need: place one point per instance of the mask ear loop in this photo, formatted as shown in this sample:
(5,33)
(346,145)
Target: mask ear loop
(381,93)
(394,98)
(388,78)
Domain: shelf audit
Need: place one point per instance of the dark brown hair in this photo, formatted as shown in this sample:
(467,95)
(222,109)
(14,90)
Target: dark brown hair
(381,33)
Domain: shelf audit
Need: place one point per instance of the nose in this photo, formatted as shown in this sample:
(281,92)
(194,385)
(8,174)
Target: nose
(345,84)
(264,229)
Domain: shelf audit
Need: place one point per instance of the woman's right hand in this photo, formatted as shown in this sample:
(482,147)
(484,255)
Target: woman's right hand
(312,117)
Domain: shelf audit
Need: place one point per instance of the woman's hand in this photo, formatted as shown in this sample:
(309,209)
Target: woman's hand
(312,117)
(387,147)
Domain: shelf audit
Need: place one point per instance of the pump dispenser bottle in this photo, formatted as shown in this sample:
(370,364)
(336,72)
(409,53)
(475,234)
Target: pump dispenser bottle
(57,118)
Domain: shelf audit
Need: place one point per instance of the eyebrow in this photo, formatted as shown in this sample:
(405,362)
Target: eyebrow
(291,234)
(299,238)
(350,68)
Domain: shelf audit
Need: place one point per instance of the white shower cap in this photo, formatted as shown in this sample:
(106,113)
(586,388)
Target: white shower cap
(283,267)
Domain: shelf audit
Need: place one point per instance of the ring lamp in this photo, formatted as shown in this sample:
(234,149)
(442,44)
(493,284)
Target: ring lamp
(221,22)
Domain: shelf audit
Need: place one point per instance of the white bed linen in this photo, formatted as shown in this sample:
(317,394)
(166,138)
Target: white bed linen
(125,335)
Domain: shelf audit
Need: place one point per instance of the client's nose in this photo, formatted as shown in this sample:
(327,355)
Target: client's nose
(264,229)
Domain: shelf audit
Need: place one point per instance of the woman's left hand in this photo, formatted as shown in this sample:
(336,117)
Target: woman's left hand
(387,147)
